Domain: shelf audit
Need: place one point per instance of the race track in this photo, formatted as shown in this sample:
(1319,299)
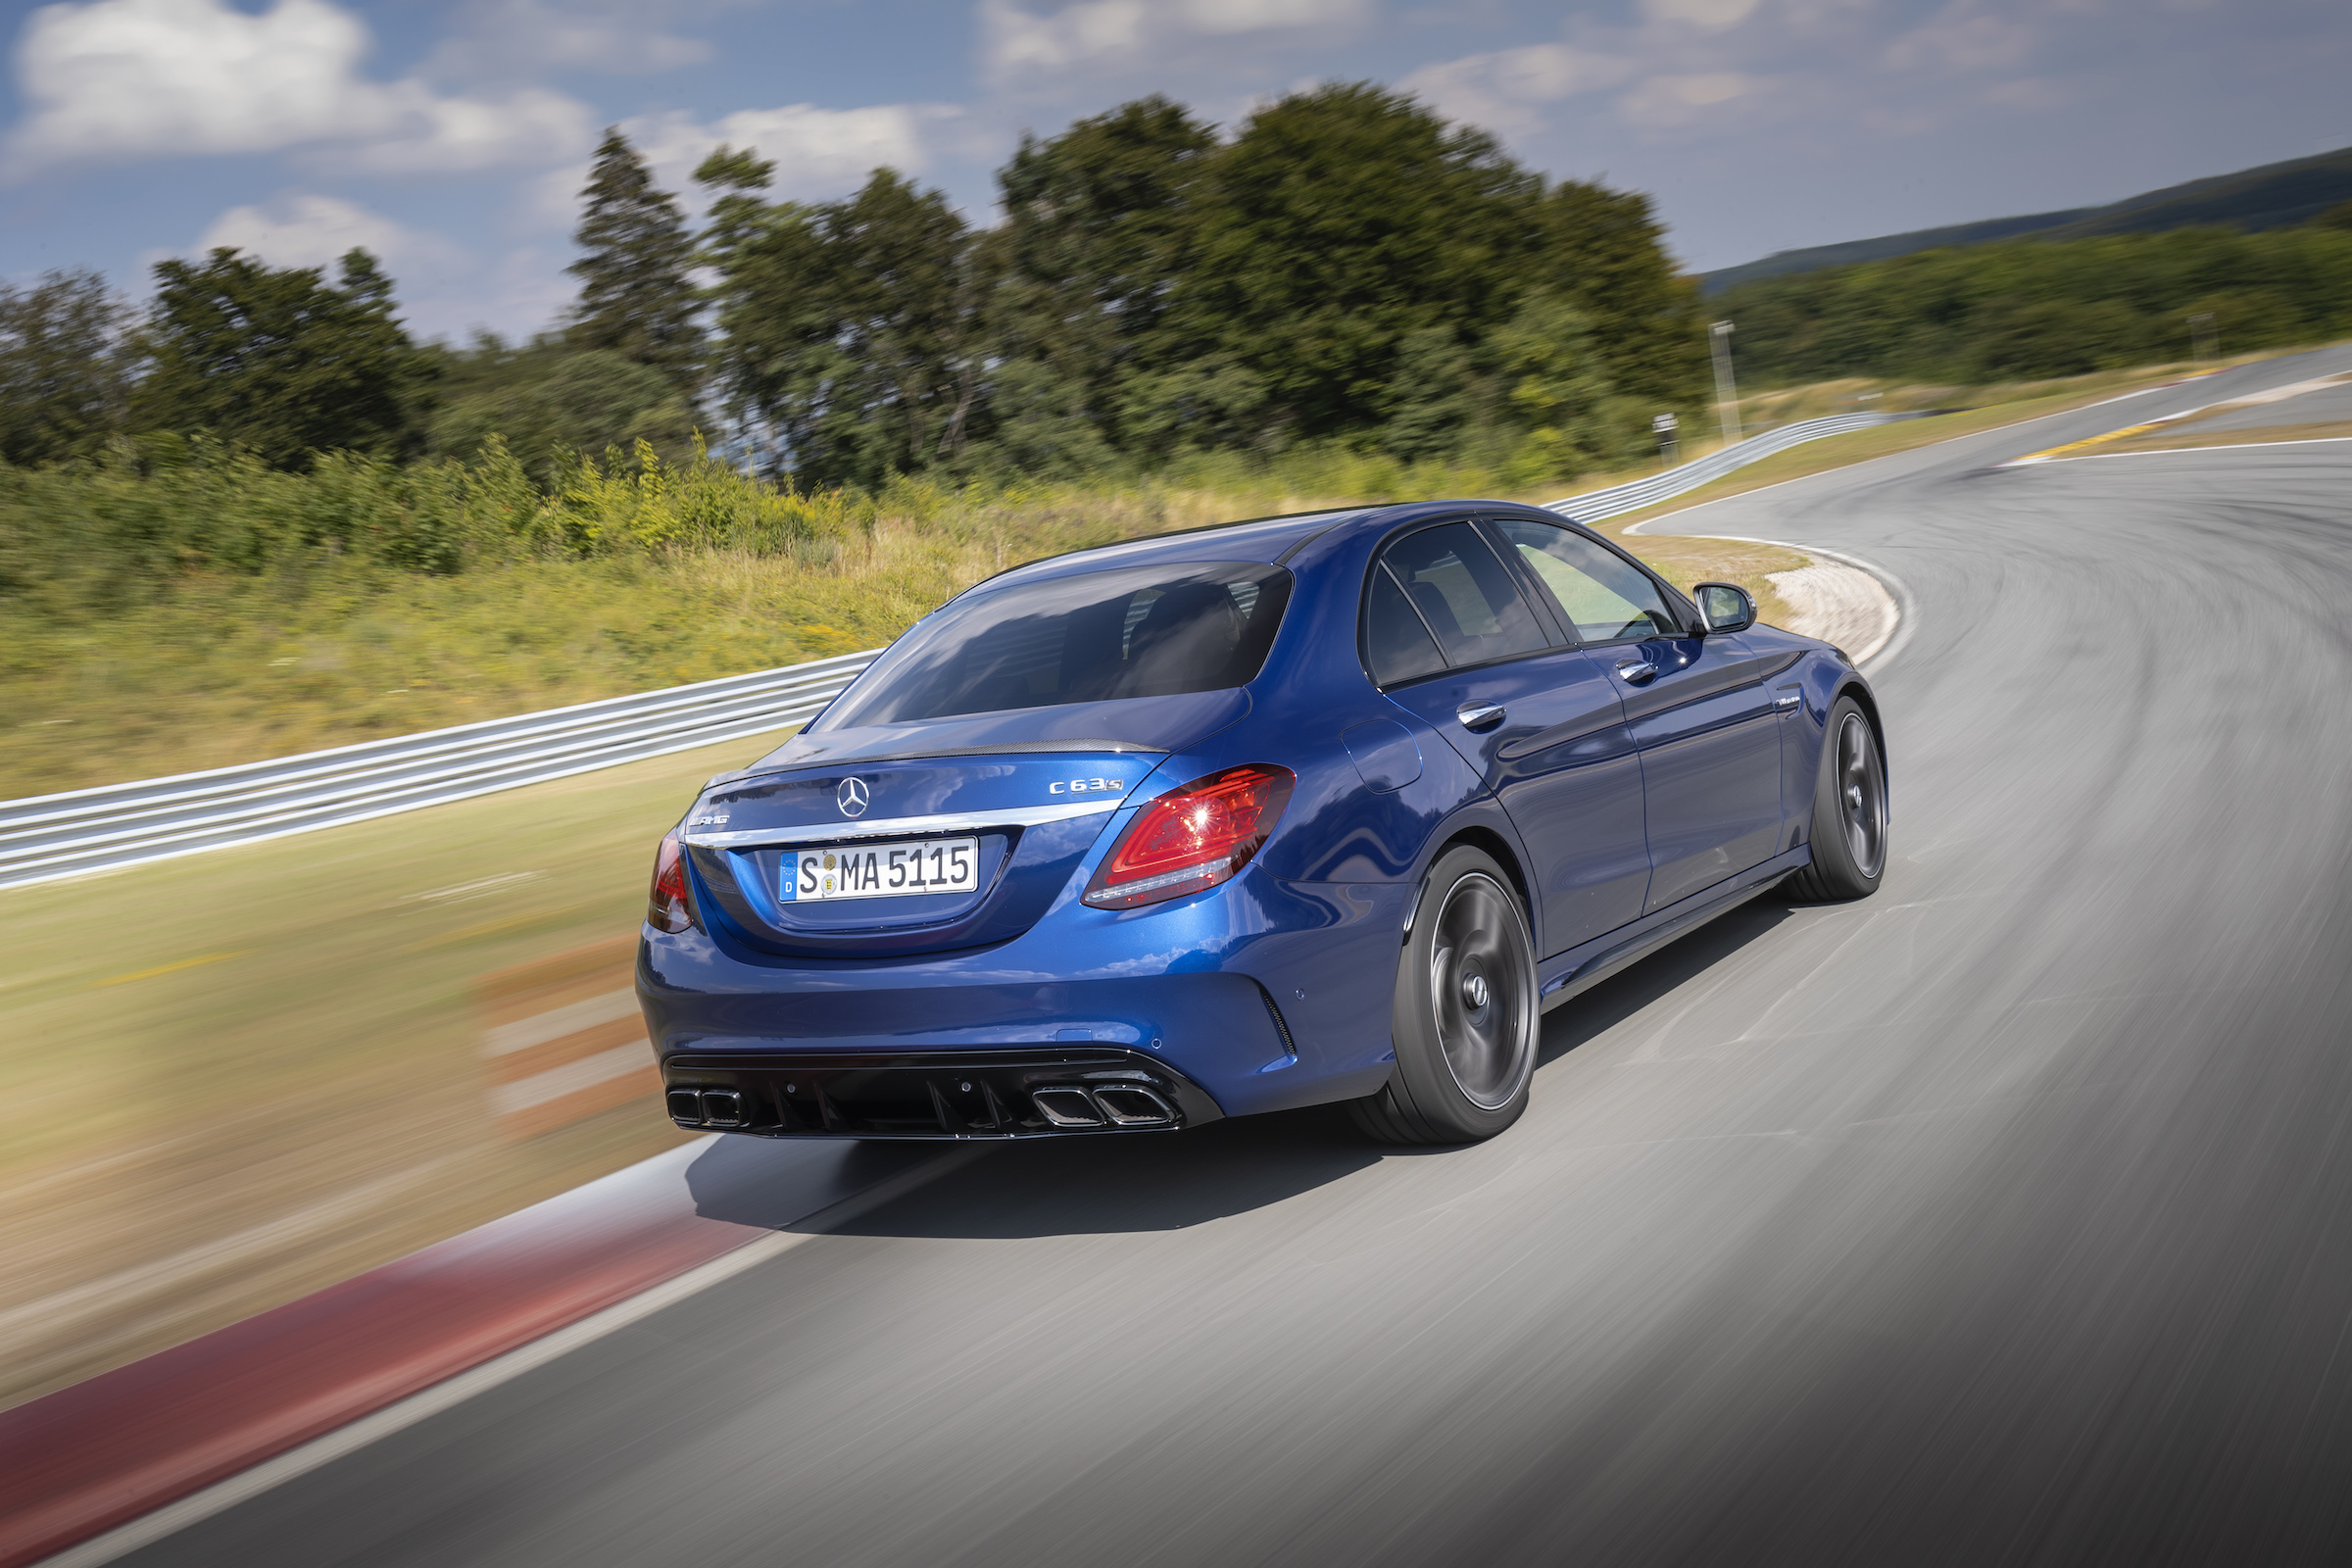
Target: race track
(2003,1218)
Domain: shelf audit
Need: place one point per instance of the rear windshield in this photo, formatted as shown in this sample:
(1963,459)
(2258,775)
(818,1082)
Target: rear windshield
(1136,631)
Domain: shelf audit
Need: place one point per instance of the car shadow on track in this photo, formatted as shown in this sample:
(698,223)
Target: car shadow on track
(1106,1184)
(1131,1181)
(1677,964)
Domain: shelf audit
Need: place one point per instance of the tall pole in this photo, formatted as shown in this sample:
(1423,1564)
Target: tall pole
(1727,390)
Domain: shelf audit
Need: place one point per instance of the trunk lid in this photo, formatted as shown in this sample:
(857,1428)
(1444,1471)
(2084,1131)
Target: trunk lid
(762,843)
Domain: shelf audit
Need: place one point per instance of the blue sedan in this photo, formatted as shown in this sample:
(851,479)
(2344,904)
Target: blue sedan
(1313,809)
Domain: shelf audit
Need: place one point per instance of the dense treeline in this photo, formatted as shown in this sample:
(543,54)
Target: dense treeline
(1346,267)
(1343,272)
(2041,308)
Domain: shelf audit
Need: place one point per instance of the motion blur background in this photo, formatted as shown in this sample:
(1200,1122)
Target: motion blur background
(366,370)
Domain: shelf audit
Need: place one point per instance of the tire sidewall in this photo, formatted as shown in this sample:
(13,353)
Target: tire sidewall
(1833,861)
(1422,1076)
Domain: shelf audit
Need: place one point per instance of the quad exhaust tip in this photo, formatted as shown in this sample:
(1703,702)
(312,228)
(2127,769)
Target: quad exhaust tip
(706,1108)
(1118,1105)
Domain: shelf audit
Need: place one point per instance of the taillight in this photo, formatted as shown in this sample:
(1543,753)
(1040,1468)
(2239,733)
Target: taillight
(1192,838)
(667,907)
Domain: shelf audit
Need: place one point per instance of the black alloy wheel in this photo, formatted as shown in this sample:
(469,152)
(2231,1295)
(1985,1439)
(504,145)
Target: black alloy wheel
(1849,810)
(1465,1019)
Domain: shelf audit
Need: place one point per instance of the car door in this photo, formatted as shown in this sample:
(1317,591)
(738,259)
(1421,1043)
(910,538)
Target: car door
(1451,635)
(1700,708)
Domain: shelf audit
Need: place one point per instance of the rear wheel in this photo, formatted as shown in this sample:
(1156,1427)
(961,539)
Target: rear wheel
(1464,1019)
(1849,811)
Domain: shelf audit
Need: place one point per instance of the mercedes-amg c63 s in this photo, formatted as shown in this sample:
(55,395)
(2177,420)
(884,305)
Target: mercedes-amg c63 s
(1327,808)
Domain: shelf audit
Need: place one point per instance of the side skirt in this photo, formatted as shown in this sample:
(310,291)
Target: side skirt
(1580,969)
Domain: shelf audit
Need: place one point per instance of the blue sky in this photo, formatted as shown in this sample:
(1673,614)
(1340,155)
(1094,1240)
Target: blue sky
(451,135)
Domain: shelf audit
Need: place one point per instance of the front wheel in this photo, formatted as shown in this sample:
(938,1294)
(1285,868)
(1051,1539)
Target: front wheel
(1849,811)
(1464,1019)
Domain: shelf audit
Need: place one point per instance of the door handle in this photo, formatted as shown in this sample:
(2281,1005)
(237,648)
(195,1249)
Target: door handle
(1636,673)
(1480,715)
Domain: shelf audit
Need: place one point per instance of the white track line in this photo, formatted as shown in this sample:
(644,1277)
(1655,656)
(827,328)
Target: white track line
(451,1392)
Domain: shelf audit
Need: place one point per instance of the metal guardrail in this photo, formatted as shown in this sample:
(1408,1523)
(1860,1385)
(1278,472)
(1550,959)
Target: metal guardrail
(46,837)
(1619,500)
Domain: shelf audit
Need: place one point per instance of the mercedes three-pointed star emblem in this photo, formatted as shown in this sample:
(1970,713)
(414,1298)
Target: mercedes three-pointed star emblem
(853,797)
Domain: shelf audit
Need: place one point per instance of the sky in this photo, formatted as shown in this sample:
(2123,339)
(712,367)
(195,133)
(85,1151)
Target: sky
(451,136)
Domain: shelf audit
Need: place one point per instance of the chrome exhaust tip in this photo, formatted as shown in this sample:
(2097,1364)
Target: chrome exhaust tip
(685,1107)
(1065,1108)
(1134,1105)
(723,1107)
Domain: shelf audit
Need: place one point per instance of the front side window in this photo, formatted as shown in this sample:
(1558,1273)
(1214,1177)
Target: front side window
(1464,595)
(1134,631)
(1604,597)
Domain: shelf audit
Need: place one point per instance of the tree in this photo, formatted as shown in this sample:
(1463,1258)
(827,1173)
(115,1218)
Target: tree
(65,368)
(549,401)
(1101,223)
(854,330)
(1339,221)
(1604,251)
(636,298)
(277,360)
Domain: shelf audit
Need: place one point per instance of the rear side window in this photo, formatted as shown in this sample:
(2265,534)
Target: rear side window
(1397,645)
(1135,631)
(1464,595)
(1604,597)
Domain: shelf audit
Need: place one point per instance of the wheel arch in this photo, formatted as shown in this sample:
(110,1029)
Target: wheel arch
(1481,837)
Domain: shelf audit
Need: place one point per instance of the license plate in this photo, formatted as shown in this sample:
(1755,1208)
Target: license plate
(881,870)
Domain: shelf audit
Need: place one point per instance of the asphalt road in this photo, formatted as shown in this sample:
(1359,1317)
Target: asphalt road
(2000,1218)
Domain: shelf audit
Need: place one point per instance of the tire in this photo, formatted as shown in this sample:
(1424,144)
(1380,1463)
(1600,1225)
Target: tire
(1465,1018)
(1849,811)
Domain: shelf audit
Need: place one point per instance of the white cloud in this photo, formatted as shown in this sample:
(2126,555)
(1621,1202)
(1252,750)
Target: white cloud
(1712,15)
(500,37)
(307,230)
(1670,101)
(818,153)
(1962,38)
(1264,15)
(114,79)
(1016,42)
(1501,90)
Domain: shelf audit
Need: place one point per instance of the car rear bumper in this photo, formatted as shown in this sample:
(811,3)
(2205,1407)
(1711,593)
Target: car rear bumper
(1254,995)
(933,1095)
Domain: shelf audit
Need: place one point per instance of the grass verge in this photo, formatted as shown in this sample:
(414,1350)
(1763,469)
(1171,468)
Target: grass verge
(231,1079)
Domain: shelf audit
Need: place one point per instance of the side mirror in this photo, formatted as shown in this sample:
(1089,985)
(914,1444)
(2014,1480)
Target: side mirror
(1725,606)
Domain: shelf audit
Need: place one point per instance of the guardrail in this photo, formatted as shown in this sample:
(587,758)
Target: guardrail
(1618,500)
(46,837)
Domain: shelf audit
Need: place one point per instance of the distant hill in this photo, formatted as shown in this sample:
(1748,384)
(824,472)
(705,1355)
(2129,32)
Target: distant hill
(2271,196)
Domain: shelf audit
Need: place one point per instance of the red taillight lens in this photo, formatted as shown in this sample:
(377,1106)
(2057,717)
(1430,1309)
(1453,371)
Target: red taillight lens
(1193,837)
(667,907)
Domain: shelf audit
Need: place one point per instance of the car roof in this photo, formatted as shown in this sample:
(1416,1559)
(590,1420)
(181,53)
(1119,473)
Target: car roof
(1268,539)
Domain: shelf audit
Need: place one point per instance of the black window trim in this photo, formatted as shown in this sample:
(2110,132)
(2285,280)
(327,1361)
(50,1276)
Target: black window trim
(1672,597)
(1544,619)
